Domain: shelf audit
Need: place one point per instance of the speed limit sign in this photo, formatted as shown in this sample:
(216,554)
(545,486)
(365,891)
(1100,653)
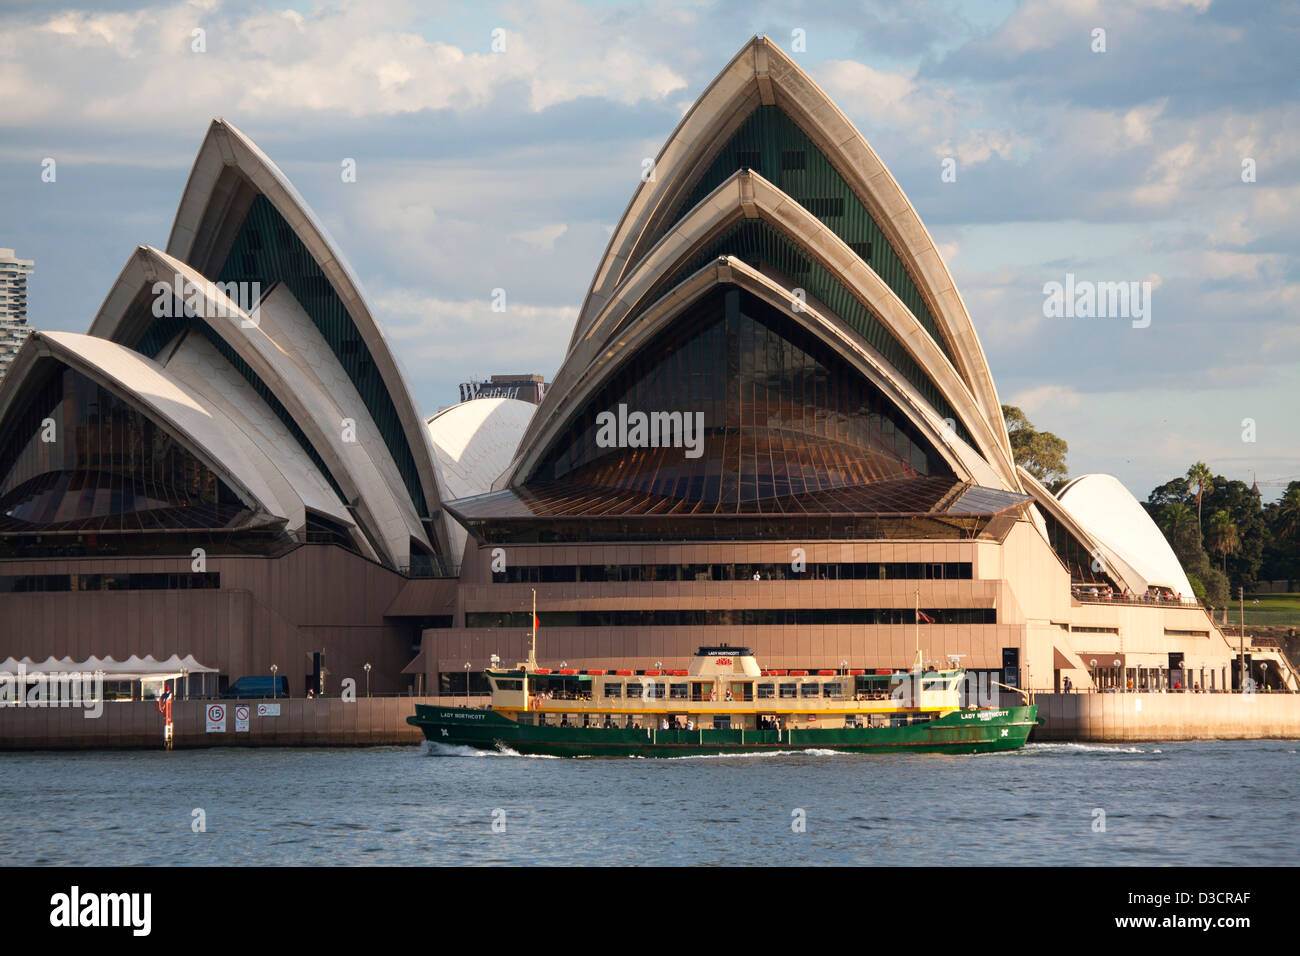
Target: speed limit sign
(216,718)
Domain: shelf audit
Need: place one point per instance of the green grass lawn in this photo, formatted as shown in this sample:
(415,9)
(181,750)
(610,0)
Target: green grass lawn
(1278,610)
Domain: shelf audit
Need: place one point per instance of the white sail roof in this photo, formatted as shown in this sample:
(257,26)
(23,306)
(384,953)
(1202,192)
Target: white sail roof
(473,443)
(1124,531)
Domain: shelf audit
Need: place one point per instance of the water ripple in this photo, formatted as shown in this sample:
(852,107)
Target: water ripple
(1053,804)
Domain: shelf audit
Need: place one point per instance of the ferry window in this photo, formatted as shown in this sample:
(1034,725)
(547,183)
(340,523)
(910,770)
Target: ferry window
(613,690)
(677,691)
(766,690)
(832,690)
(936,685)
(789,690)
(634,691)
(655,691)
(809,689)
(722,722)
(510,684)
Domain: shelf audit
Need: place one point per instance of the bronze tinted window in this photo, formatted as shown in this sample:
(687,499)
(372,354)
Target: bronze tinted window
(108,468)
(780,413)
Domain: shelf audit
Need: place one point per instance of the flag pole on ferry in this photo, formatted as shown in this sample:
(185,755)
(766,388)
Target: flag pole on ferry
(918,665)
(532,651)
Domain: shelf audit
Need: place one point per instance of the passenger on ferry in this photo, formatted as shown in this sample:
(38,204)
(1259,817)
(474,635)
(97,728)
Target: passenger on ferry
(690,724)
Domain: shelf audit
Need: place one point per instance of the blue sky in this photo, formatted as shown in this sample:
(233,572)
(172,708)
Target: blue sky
(478,170)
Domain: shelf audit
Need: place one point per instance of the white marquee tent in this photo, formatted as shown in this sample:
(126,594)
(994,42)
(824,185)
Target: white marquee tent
(145,669)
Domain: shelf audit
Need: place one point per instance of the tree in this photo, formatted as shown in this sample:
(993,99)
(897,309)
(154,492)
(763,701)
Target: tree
(1040,453)
(1224,539)
(1178,522)
(1242,564)
(1281,558)
(1199,478)
(1288,514)
(1175,489)
(1179,525)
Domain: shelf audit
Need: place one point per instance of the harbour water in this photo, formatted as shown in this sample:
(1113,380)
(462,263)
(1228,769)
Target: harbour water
(1226,803)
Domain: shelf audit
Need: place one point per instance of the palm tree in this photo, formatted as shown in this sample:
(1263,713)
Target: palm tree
(1289,514)
(1198,476)
(1174,516)
(1223,536)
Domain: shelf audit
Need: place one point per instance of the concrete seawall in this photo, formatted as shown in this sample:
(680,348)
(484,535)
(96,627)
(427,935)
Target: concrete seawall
(331,722)
(327,722)
(1113,718)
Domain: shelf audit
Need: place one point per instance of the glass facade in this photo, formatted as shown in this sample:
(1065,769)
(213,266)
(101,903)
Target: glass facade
(776,413)
(817,571)
(732,617)
(123,581)
(774,146)
(1083,566)
(767,248)
(267,250)
(77,457)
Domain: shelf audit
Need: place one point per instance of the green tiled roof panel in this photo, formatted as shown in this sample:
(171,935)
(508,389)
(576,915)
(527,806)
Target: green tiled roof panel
(774,146)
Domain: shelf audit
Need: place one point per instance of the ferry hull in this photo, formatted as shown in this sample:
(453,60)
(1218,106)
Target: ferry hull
(961,732)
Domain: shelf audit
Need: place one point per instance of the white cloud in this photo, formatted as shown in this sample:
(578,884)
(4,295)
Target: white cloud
(425,328)
(350,57)
(930,115)
(543,237)
(1046,398)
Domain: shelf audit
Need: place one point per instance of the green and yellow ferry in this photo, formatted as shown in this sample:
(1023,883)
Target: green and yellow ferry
(724,704)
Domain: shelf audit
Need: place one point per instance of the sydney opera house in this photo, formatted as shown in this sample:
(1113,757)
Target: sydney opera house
(774,427)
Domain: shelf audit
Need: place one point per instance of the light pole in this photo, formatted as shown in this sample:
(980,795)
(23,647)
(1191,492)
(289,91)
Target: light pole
(467,683)
(1123,685)
(275,685)
(1093,662)
(367,670)
(1263,674)
(844,668)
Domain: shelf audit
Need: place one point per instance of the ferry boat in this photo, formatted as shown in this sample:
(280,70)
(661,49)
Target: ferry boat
(724,703)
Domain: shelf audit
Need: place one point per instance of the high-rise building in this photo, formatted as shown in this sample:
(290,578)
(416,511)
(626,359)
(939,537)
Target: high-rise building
(524,388)
(13,305)
(13,286)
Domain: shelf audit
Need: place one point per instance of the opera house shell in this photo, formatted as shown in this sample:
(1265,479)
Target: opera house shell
(774,427)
